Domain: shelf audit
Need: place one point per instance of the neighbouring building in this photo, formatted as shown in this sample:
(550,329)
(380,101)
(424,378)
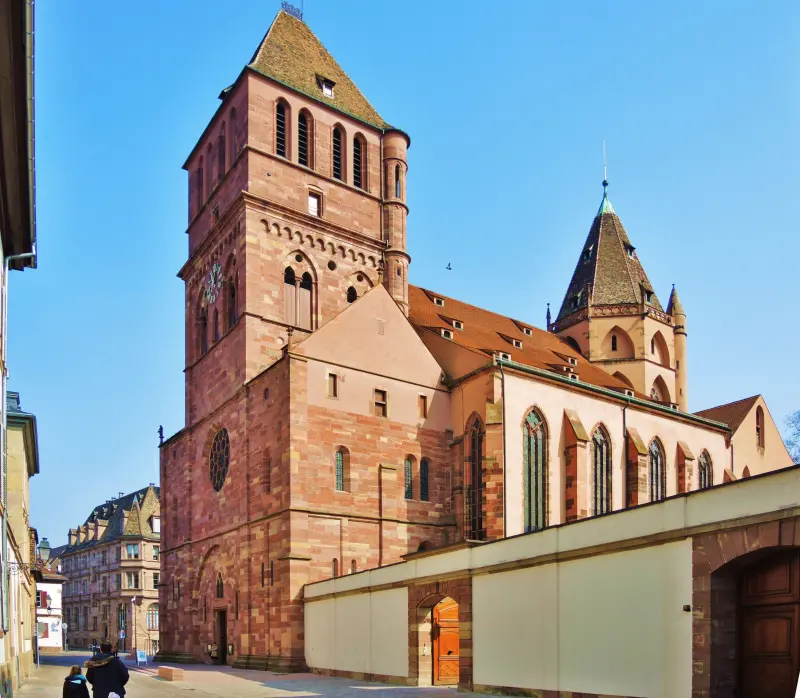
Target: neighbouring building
(23,463)
(18,241)
(339,419)
(49,583)
(112,566)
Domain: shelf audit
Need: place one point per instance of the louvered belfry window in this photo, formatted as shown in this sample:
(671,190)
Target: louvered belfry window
(280,129)
(423,480)
(302,139)
(339,471)
(337,153)
(409,479)
(357,163)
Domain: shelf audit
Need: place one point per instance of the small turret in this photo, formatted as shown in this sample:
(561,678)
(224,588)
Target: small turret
(395,211)
(675,309)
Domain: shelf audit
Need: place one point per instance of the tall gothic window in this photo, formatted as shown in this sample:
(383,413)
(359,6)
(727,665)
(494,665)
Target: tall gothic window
(198,187)
(280,130)
(613,342)
(337,153)
(397,185)
(289,296)
(359,150)
(601,469)
(759,427)
(303,141)
(234,134)
(339,471)
(474,497)
(221,153)
(534,472)
(216,325)
(658,472)
(233,300)
(705,474)
(408,477)
(305,301)
(202,331)
(424,493)
(220,586)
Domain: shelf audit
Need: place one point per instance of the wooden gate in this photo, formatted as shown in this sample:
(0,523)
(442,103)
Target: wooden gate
(445,643)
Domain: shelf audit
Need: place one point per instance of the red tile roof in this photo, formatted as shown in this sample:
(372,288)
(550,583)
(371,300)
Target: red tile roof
(732,414)
(490,333)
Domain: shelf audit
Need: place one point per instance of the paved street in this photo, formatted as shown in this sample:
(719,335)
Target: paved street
(48,680)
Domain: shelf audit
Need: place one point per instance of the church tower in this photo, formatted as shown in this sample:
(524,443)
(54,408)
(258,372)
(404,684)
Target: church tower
(613,317)
(297,207)
(676,311)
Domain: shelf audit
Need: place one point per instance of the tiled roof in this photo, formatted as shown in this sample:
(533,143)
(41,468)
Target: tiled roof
(732,414)
(291,54)
(606,270)
(488,333)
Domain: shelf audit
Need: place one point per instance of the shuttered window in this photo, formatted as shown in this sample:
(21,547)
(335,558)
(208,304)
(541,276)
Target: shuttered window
(358,163)
(280,129)
(337,153)
(302,139)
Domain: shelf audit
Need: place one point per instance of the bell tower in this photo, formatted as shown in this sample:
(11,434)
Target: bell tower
(612,316)
(395,212)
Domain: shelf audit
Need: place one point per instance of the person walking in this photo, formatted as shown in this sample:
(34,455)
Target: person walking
(107,673)
(75,684)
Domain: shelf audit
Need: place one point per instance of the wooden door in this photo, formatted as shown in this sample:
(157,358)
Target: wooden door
(445,643)
(770,628)
(222,637)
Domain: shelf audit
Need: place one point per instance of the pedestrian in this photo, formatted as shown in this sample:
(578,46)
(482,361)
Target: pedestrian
(107,673)
(75,684)
(116,649)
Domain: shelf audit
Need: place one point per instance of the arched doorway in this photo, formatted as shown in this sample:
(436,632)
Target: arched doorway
(445,637)
(769,626)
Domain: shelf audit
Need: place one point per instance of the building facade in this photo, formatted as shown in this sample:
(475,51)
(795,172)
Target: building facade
(49,607)
(113,572)
(339,419)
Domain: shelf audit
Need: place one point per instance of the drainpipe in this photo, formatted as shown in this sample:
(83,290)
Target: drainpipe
(380,515)
(625,451)
(4,379)
(503,398)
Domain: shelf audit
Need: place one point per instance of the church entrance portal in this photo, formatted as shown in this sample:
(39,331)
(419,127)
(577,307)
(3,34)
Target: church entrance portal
(445,637)
(769,627)
(221,636)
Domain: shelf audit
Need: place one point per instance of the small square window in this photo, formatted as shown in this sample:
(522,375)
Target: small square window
(333,385)
(438,301)
(504,355)
(327,89)
(447,334)
(458,324)
(314,204)
(648,296)
(630,252)
(423,406)
(517,343)
(527,331)
(380,403)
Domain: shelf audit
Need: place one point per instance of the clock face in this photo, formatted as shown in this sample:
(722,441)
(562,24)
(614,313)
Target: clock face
(214,282)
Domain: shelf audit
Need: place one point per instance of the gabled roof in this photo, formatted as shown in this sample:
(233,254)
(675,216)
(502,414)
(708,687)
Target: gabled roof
(291,54)
(489,333)
(608,271)
(732,414)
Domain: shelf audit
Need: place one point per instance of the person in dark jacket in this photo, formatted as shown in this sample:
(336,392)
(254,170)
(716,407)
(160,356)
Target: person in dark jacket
(106,673)
(75,684)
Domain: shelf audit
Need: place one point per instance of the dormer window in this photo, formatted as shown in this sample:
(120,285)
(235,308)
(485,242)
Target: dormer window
(327,89)
(447,334)
(528,331)
(458,324)
(587,253)
(517,343)
(575,301)
(438,301)
(503,355)
(648,296)
(630,249)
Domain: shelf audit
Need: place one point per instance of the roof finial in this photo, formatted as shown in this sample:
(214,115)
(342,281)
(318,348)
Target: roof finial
(605,168)
(548,316)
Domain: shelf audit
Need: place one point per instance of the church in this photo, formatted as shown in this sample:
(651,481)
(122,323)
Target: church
(339,419)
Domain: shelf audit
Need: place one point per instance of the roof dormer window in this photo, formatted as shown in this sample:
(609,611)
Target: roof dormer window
(630,249)
(576,300)
(648,296)
(458,324)
(587,253)
(326,86)
(438,301)
(447,334)
(505,356)
(528,331)
(517,343)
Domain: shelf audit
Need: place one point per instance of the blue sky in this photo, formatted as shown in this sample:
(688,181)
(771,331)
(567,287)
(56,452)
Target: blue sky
(507,105)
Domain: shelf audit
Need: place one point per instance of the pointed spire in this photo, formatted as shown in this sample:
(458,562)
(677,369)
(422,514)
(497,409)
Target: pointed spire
(674,307)
(548,316)
(605,204)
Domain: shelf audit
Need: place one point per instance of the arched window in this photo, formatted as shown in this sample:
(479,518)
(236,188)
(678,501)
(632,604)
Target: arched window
(359,162)
(152,617)
(408,478)
(424,493)
(233,300)
(653,345)
(281,140)
(534,472)
(705,474)
(305,128)
(209,180)
(234,134)
(613,342)
(658,472)
(352,295)
(474,498)
(289,296)
(216,325)
(220,586)
(202,331)
(398,187)
(205,610)
(222,151)
(120,616)
(335,567)
(339,471)
(760,427)
(305,301)
(337,153)
(601,468)
(352,566)
(199,182)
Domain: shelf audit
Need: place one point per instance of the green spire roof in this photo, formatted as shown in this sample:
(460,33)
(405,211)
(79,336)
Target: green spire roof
(605,204)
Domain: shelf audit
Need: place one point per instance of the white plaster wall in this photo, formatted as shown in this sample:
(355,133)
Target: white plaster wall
(52,619)
(621,633)
(362,633)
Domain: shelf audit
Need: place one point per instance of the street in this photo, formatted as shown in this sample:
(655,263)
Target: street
(48,679)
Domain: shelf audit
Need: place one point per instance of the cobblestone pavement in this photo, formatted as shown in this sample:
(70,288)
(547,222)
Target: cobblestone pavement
(47,682)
